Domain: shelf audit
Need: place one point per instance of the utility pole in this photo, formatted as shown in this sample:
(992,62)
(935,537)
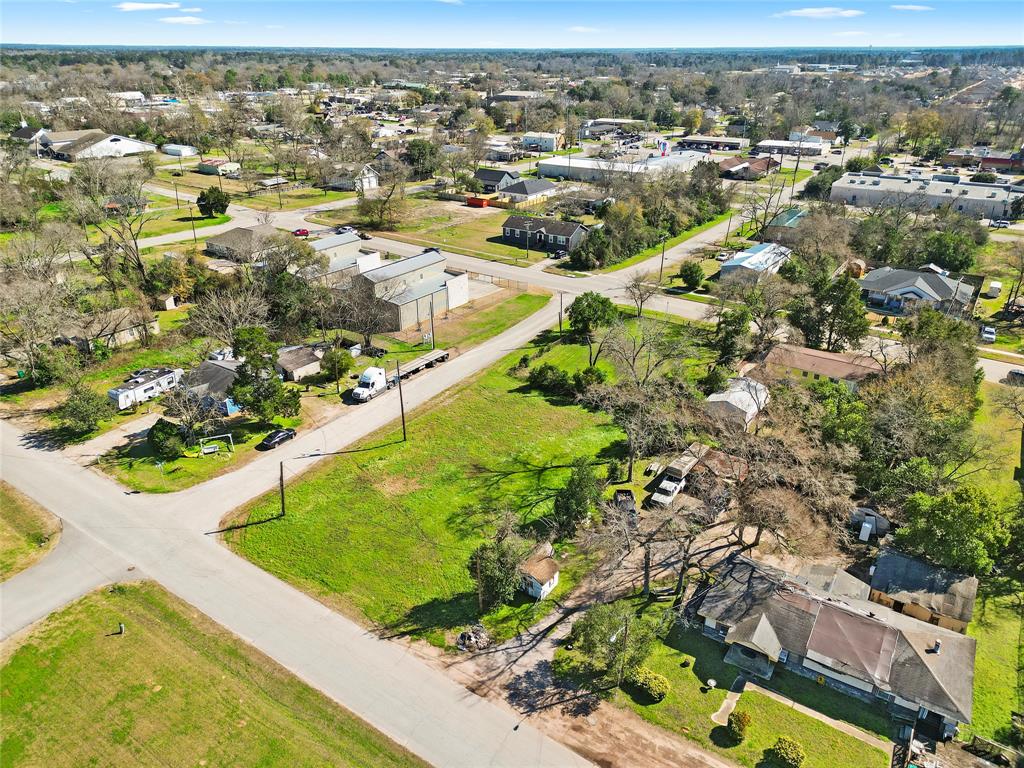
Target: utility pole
(177,204)
(661,269)
(528,223)
(281,485)
(192,219)
(433,344)
(401,399)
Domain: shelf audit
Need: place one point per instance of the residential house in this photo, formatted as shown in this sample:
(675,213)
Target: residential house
(242,244)
(495,179)
(210,383)
(757,261)
(299,362)
(98,145)
(346,257)
(529,190)
(30,136)
(740,402)
(889,289)
(513,95)
(820,625)
(113,328)
(783,226)
(543,234)
(927,592)
(218,167)
(539,573)
(357,177)
(972,198)
(540,141)
(411,288)
(792,361)
(747,168)
(499,151)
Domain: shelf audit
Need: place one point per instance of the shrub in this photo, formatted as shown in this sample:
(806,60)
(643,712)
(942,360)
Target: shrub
(656,687)
(549,378)
(787,753)
(738,724)
(614,473)
(83,410)
(588,377)
(692,274)
(164,440)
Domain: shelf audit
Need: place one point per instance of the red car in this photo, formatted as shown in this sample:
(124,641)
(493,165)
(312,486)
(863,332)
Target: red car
(301,233)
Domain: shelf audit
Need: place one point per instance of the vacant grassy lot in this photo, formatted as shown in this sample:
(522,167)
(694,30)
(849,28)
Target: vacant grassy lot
(1001,433)
(998,626)
(688,708)
(655,250)
(27,531)
(385,531)
(175,689)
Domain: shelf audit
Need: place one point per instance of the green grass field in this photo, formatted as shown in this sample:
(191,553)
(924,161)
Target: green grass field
(478,236)
(997,429)
(650,253)
(688,708)
(175,689)
(998,626)
(27,531)
(385,531)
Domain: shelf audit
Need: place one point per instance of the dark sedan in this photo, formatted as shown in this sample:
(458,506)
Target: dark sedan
(275,438)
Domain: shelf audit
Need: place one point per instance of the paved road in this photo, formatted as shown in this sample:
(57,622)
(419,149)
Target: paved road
(165,538)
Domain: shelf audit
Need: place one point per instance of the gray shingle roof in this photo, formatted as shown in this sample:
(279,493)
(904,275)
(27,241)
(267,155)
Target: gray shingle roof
(241,239)
(493,175)
(528,187)
(937,287)
(540,224)
(865,640)
(212,378)
(938,589)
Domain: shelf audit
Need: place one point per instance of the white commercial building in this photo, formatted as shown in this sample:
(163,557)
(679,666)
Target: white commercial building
(804,148)
(972,198)
(596,169)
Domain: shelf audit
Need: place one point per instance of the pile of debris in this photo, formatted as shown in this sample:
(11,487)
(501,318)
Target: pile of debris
(474,639)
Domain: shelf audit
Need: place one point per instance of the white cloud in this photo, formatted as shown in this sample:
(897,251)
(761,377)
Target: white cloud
(450,2)
(849,33)
(911,7)
(191,10)
(147,6)
(582,30)
(829,12)
(189,20)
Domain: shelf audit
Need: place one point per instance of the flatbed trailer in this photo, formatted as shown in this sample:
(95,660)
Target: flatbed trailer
(428,360)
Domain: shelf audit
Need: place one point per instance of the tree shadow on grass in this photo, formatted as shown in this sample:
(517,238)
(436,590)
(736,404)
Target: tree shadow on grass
(537,688)
(439,613)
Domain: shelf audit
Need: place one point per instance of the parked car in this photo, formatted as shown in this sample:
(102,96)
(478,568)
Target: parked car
(276,438)
(819,166)
(724,256)
(562,254)
(1000,224)
(364,236)
(1015,378)
(225,353)
(300,232)
(837,151)
(988,334)
(344,230)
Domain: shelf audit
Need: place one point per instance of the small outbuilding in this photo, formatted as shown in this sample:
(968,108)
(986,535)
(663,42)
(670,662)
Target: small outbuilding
(740,402)
(298,363)
(539,573)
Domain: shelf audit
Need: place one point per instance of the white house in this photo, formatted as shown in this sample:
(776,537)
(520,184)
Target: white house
(96,144)
(179,150)
(540,141)
(358,177)
(539,574)
(740,402)
(528,190)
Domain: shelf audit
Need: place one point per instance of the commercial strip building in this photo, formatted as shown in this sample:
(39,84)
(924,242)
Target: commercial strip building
(720,143)
(595,169)
(972,198)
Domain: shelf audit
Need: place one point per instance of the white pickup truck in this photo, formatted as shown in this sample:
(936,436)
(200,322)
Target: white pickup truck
(375,380)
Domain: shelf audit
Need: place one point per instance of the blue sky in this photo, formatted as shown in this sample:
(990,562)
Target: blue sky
(516,23)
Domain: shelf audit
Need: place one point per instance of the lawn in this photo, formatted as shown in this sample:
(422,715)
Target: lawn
(998,626)
(175,689)
(1001,433)
(993,262)
(655,250)
(27,531)
(478,236)
(384,532)
(688,708)
(135,466)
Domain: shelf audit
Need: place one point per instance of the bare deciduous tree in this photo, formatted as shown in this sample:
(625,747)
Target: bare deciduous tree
(640,288)
(218,315)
